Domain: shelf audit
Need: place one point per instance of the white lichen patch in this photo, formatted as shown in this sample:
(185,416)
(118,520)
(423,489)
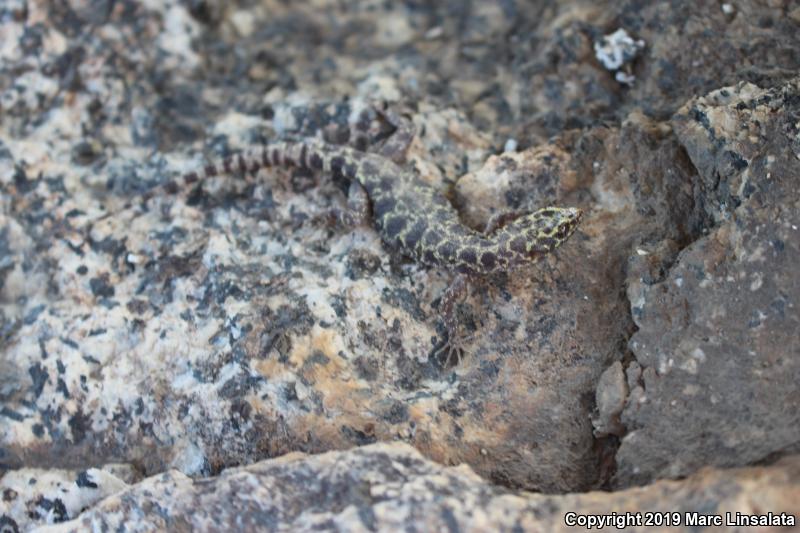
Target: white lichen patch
(617,49)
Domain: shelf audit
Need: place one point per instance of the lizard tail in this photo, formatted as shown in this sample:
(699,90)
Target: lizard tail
(285,155)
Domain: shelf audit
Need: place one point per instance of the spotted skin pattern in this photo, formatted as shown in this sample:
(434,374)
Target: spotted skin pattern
(416,220)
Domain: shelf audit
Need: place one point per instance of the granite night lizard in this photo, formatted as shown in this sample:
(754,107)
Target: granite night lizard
(412,217)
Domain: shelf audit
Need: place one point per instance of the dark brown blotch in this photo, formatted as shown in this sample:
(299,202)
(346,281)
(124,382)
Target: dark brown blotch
(488,260)
(415,233)
(242,163)
(518,245)
(276,157)
(394,226)
(383,205)
(211,170)
(226,164)
(469,256)
(433,237)
(368,168)
(190,178)
(447,251)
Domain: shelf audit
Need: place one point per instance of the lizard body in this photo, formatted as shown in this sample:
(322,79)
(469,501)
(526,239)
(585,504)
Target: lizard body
(415,219)
(412,217)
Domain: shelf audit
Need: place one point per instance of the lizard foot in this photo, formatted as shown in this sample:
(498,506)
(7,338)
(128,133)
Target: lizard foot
(396,146)
(358,212)
(452,347)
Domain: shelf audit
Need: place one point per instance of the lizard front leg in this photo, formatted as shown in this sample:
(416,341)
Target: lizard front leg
(396,146)
(498,220)
(357,213)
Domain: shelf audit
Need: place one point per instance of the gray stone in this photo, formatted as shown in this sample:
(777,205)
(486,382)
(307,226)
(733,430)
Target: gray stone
(610,396)
(718,338)
(391,487)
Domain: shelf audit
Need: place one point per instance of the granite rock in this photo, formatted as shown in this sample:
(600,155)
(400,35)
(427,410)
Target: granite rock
(32,496)
(386,487)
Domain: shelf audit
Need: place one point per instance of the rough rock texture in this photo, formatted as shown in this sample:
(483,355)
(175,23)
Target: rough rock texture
(229,324)
(31,496)
(719,336)
(387,487)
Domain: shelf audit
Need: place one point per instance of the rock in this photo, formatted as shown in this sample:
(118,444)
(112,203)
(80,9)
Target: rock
(387,487)
(611,393)
(30,496)
(717,339)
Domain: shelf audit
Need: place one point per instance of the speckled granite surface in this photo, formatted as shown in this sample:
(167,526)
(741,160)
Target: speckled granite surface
(226,325)
(389,487)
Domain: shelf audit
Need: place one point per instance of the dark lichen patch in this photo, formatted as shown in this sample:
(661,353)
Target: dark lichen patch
(39,376)
(137,306)
(85,481)
(406,300)
(80,424)
(280,327)
(61,386)
(410,373)
(240,386)
(54,508)
(358,437)
(395,413)
(361,264)
(367,368)
(11,414)
(339,305)
(316,358)
(33,314)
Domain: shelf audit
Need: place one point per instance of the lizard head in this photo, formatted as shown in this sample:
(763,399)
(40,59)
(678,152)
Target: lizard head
(543,231)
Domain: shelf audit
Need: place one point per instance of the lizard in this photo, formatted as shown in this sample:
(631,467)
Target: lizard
(412,217)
